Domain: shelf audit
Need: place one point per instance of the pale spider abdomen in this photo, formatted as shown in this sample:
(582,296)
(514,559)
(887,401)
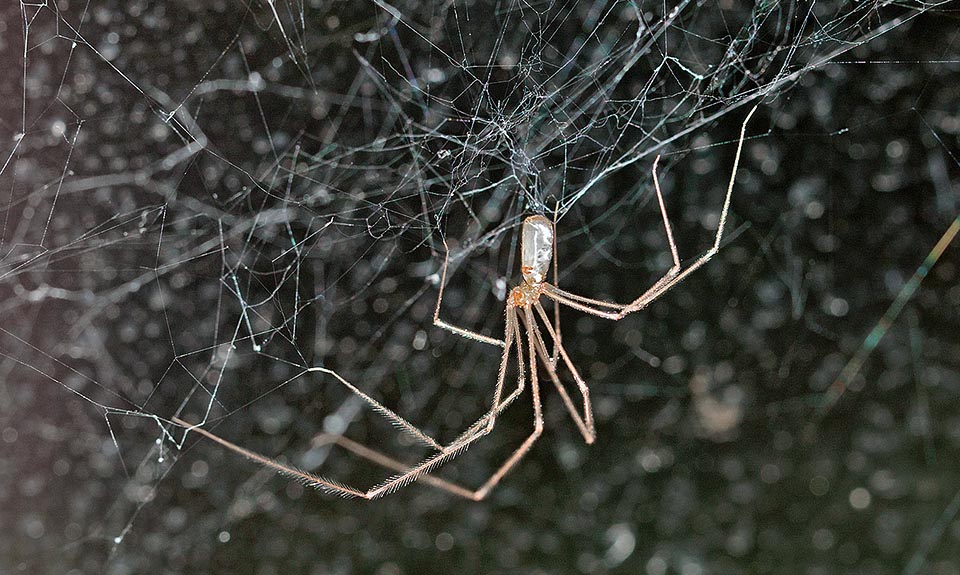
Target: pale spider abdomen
(536,249)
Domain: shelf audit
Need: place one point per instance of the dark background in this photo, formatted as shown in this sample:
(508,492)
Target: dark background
(175,177)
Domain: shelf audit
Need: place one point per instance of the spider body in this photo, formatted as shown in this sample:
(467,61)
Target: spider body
(526,325)
(536,253)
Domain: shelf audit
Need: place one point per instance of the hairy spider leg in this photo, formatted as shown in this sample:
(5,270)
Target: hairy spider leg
(390,463)
(537,349)
(421,471)
(455,448)
(452,328)
(396,420)
(408,474)
(521,451)
(460,445)
(535,284)
(673,276)
(537,417)
(585,423)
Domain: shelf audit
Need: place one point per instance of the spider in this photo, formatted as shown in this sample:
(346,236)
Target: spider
(523,309)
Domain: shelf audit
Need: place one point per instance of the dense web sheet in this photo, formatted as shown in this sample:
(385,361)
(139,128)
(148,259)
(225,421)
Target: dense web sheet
(203,208)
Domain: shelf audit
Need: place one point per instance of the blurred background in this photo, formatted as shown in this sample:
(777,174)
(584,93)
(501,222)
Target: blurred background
(198,202)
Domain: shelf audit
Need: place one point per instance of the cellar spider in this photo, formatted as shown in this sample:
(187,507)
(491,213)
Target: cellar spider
(523,309)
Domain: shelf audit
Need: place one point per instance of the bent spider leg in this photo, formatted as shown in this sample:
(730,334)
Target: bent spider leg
(305,477)
(501,403)
(563,297)
(666,277)
(658,290)
(663,214)
(390,463)
(322,483)
(584,304)
(537,419)
(646,297)
(397,421)
(505,402)
(430,463)
(583,299)
(591,305)
(585,423)
(493,480)
(408,473)
(509,335)
(426,466)
(673,275)
(402,424)
(330,486)
(481,427)
(452,328)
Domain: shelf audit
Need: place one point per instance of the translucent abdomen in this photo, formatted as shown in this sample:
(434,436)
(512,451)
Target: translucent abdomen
(536,248)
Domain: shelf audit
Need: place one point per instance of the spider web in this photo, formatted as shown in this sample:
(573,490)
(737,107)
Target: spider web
(200,203)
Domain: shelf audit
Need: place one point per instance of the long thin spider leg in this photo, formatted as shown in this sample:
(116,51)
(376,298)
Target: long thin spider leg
(501,375)
(585,424)
(556,279)
(322,483)
(414,473)
(402,423)
(559,295)
(497,476)
(489,418)
(669,274)
(304,477)
(537,418)
(588,434)
(521,371)
(390,463)
(452,450)
(452,328)
(587,306)
(456,447)
(674,275)
(663,213)
(396,420)
(408,474)
(583,299)
(599,305)
(657,291)
(482,427)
